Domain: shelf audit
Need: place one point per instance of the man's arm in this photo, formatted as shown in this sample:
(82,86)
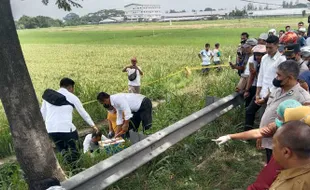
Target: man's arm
(266,131)
(125,69)
(80,109)
(247,135)
(140,71)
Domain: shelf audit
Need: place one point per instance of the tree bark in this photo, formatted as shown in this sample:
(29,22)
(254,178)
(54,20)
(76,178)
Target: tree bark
(33,149)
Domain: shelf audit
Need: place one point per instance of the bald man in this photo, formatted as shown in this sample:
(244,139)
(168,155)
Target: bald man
(291,150)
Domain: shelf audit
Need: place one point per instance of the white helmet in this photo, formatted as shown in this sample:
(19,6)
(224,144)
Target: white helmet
(305,51)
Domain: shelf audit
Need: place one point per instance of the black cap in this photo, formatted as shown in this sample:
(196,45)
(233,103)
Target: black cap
(290,49)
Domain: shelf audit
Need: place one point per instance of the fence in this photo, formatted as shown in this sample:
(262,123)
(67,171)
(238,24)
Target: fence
(116,167)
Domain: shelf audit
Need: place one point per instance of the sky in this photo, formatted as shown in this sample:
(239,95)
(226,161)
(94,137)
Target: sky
(35,7)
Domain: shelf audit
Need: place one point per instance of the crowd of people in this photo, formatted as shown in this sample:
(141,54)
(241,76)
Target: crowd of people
(274,80)
(126,111)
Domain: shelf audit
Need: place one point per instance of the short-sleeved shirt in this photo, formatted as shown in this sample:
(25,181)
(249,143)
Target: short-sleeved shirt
(293,179)
(276,97)
(206,57)
(137,81)
(216,55)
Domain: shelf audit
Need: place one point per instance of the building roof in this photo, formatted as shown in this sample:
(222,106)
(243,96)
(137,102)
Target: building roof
(196,14)
(133,4)
(278,12)
(141,4)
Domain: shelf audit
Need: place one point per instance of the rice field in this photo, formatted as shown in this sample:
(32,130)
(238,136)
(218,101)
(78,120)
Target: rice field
(94,56)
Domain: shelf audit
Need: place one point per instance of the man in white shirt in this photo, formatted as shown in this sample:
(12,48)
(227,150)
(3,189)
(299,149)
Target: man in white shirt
(267,73)
(136,108)
(134,76)
(58,119)
(90,143)
(205,56)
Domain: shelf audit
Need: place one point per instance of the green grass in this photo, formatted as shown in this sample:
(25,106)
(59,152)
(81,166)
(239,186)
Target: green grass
(94,56)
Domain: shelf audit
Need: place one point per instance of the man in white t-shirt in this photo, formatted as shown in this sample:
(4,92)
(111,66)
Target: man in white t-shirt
(91,141)
(134,76)
(205,56)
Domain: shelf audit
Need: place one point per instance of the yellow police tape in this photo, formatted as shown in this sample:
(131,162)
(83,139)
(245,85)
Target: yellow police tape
(187,70)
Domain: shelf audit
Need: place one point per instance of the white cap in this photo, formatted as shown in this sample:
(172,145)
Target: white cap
(263,36)
(273,31)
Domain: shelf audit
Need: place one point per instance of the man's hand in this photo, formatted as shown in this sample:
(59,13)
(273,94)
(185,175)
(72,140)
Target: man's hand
(246,94)
(96,128)
(259,144)
(111,135)
(222,139)
(125,127)
(259,101)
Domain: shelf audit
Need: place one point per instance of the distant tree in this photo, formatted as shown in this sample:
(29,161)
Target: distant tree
(291,4)
(238,13)
(250,7)
(183,11)
(72,19)
(194,11)
(208,9)
(300,5)
(172,11)
(28,22)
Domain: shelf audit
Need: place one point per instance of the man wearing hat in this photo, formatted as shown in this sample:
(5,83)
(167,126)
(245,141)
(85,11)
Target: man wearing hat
(254,64)
(247,47)
(262,39)
(292,52)
(301,36)
(134,76)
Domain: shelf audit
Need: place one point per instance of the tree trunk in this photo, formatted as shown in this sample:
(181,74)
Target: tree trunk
(33,149)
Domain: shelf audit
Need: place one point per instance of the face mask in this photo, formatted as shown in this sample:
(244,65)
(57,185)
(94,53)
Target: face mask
(278,123)
(277,83)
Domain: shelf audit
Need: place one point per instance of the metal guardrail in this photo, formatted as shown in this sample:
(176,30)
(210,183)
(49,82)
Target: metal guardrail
(121,164)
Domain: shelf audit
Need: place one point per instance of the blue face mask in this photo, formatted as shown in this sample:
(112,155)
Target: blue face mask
(278,123)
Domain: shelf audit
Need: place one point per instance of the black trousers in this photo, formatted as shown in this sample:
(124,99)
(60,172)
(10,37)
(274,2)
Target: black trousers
(66,143)
(268,154)
(144,115)
(252,92)
(250,113)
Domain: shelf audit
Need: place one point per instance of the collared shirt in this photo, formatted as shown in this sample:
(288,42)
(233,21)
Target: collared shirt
(276,97)
(268,71)
(126,103)
(137,81)
(58,119)
(293,179)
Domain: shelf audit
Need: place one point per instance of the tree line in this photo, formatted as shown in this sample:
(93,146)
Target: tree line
(71,19)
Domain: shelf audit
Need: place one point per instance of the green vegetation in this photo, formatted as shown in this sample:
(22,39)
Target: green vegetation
(94,55)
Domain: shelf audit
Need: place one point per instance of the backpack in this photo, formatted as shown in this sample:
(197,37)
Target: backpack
(132,76)
(55,98)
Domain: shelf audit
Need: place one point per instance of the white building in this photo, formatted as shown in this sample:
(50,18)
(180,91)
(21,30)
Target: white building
(135,12)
